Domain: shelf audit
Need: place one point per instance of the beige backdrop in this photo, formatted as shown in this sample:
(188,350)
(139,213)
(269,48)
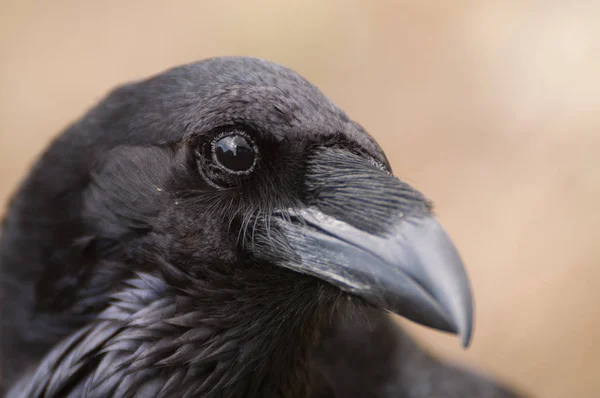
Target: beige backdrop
(491,108)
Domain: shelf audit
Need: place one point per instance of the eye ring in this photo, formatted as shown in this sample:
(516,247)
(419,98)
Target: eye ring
(246,140)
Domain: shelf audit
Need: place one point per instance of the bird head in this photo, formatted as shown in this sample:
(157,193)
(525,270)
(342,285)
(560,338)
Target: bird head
(236,161)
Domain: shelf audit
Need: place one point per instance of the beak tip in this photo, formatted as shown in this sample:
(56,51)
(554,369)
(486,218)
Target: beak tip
(463,324)
(466,338)
(447,279)
(464,329)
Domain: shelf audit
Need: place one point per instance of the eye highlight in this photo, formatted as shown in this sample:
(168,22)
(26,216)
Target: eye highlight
(227,159)
(235,152)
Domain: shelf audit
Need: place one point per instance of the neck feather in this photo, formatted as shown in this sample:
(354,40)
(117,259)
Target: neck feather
(240,333)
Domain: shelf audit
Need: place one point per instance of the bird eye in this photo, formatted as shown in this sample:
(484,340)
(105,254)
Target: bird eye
(235,152)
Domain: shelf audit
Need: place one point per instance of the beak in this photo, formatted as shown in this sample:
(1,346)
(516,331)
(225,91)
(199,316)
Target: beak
(373,236)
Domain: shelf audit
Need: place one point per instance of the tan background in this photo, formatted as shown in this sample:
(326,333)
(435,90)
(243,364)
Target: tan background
(490,107)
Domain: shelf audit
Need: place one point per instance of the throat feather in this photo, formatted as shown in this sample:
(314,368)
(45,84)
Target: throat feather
(249,339)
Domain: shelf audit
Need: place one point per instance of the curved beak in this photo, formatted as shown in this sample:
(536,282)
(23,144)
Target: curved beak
(371,235)
(414,271)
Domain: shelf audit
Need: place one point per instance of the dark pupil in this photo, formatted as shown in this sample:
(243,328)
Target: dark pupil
(235,153)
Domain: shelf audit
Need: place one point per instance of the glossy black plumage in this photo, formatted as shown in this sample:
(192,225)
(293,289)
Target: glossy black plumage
(131,264)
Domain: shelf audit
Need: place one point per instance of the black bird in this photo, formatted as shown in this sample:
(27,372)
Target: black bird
(220,230)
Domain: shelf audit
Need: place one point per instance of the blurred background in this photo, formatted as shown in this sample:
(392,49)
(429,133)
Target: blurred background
(490,108)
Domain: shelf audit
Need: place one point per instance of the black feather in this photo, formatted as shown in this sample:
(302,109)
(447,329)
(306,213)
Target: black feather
(124,272)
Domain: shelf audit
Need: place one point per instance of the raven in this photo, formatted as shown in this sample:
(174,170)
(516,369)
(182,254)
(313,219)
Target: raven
(208,232)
